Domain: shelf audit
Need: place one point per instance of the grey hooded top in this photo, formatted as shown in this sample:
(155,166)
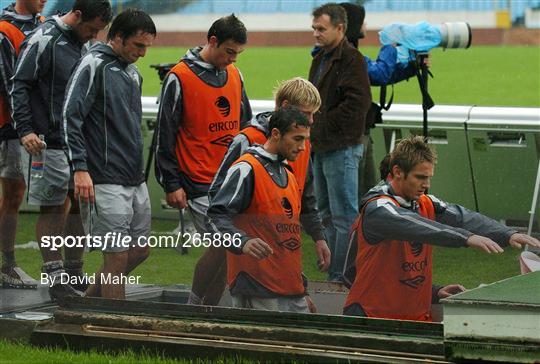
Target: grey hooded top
(43,68)
(102,118)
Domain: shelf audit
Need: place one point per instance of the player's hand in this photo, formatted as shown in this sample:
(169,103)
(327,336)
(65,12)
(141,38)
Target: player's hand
(450,290)
(517,240)
(32,143)
(483,243)
(177,199)
(84,187)
(427,60)
(310,304)
(323,255)
(257,249)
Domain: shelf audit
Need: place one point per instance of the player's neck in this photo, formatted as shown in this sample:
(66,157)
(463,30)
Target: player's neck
(205,54)
(21,9)
(396,188)
(270,147)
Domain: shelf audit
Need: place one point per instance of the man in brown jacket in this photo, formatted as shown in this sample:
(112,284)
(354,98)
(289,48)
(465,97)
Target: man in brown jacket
(339,72)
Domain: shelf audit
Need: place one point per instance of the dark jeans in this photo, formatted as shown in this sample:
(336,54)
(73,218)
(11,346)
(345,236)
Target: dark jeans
(336,188)
(367,173)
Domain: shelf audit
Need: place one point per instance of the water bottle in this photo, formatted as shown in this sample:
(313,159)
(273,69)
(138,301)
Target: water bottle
(38,161)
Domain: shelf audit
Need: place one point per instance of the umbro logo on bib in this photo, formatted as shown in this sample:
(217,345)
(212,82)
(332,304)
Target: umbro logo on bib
(414,282)
(290,244)
(224,141)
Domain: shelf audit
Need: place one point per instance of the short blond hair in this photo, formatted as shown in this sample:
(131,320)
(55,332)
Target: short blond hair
(410,152)
(298,92)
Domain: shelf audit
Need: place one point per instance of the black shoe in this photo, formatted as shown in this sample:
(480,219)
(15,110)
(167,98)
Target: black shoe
(82,282)
(77,278)
(82,287)
(59,292)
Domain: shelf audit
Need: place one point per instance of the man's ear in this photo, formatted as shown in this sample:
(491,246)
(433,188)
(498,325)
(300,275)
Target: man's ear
(284,103)
(275,134)
(78,15)
(397,172)
(117,40)
(213,41)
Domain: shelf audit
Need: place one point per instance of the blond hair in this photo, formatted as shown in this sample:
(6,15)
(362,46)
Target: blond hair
(410,152)
(298,92)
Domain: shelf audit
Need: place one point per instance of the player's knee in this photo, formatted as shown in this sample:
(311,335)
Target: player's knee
(13,196)
(141,253)
(115,263)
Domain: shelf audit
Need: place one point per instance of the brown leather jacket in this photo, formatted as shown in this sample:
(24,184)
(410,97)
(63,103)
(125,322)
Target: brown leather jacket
(346,98)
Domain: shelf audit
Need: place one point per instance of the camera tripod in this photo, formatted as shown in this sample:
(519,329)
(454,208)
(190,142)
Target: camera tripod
(422,74)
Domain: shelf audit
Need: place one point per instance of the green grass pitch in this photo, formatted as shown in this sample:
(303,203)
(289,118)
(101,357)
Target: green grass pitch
(484,75)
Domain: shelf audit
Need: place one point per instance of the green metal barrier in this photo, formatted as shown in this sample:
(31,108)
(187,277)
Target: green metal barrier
(504,157)
(453,178)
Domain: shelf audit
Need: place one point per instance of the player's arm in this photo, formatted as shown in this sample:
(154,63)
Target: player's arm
(168,121)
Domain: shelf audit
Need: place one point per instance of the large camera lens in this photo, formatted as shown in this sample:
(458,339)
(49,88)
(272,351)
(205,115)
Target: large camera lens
(456,35)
